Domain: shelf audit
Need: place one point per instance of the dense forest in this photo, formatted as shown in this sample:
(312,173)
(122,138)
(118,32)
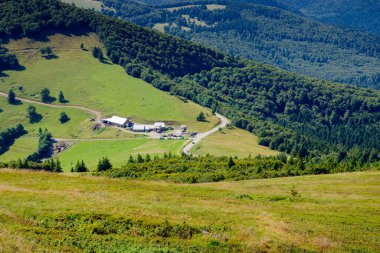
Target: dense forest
(363,15)
(267,34)
(291,113)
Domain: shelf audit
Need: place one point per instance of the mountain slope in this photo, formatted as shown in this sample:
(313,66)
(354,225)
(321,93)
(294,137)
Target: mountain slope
(363,15)
(266,34)
(291,113)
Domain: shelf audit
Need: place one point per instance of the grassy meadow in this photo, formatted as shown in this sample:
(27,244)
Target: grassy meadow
(232,142)
(100,86)
(88,4)
(72,213)
(118,151)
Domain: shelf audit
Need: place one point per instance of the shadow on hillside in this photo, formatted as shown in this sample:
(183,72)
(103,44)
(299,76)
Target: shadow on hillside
(44,36)
(17,102)
(49,100)
(51,57)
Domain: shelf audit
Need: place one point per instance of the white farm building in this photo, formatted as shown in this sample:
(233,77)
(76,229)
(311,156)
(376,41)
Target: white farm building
(117,121)
(157,126)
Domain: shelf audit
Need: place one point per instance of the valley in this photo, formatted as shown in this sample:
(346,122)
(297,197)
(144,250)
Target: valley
(224,131)
(94,90)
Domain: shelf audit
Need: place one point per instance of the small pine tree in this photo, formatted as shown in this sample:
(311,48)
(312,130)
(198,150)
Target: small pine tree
(231,163)
(11,97)
(63,117)
(57,167)
(80,167)
(61,97)
(104,164)
(131,160)
(201,117)
(147,158)
(81,46)
(45,95)
(140,159)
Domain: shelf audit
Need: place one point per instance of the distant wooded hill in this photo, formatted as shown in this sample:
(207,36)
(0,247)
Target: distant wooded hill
(266,34)
(363,15)
(291,113)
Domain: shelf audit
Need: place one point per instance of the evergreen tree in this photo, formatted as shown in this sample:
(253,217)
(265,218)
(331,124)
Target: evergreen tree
(57,167)
(131,160)
(140,159)
(104,164)
(80,167)
(45,95)
(231,162)
(201,117)
(61,97)
(11,97)
(63,117)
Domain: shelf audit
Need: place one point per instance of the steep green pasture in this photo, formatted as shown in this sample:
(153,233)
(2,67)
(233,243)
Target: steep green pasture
(99,86)
(69,213)
(118,151)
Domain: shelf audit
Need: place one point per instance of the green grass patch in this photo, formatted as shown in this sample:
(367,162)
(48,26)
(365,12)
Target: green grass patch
(232,142)
(88,4)
(65,212)
(118,151)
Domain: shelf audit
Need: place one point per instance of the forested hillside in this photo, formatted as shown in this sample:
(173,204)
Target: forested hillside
(363,15)
(268,34)
(291,113)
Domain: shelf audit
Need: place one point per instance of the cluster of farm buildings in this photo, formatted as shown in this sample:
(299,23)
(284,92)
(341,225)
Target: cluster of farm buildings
(126,123)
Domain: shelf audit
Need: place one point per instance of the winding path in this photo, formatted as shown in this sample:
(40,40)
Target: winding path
(223,123)
(97,114)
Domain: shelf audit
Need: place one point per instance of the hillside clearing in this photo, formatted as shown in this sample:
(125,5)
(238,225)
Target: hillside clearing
(232,142)
(335,213)
(89,4)
(99,86)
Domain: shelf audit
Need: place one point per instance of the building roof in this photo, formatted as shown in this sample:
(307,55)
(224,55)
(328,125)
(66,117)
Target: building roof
(117,120)
(159,124)
(138,127)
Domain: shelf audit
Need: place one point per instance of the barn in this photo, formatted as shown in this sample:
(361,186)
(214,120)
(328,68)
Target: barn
(117,121)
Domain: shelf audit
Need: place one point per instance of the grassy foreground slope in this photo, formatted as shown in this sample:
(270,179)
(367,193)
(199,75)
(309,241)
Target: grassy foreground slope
(334,213)
(87,82)
(232,142)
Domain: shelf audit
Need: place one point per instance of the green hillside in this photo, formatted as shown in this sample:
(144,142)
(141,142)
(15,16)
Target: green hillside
(330,213)
(99,86)
(266,34)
